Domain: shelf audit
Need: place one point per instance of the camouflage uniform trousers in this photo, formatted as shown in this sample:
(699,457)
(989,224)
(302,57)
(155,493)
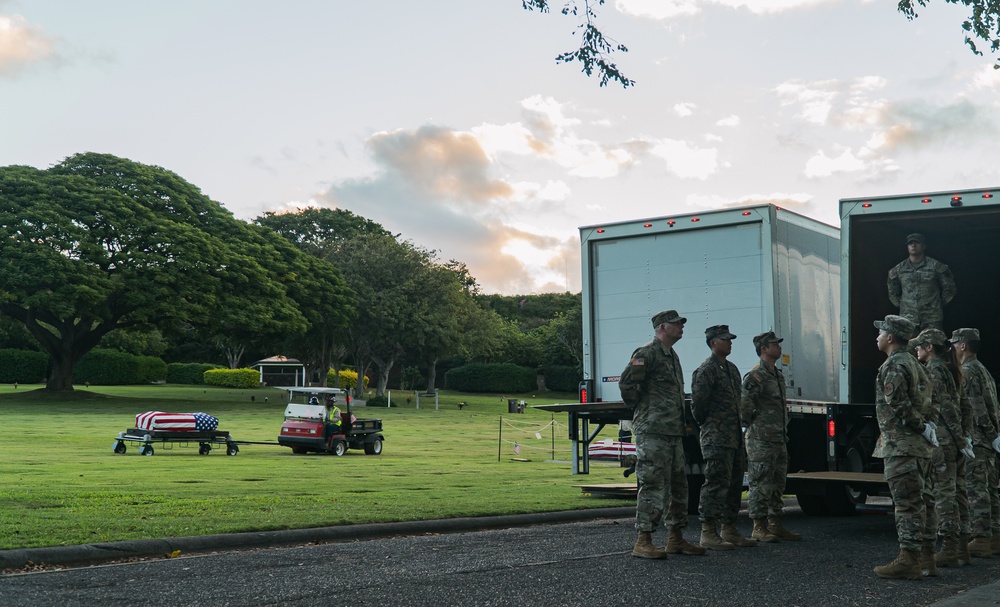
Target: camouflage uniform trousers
(932,495)
(663,488)
(767,479)
(723,488)
(948,474)
(905,475)
(981,481)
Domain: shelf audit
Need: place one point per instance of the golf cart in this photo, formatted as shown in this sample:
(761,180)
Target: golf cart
(305,428)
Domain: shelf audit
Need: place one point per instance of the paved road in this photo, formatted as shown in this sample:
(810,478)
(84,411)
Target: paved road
(573,564)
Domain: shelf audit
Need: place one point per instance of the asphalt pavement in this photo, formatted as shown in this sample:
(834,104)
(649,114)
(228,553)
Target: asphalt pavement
(576,558)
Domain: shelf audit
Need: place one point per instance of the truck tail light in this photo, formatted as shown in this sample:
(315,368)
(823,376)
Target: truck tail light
(584,390)
(831,428)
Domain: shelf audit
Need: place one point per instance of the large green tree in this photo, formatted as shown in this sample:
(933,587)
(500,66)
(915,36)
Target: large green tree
(98,243)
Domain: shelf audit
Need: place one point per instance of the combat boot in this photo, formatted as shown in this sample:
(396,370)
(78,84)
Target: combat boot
(732,535)
(676,544)
(774,526)
(761,532)
(964,558)
(981,547)
(645,549)
(948,556)
(905,567)
(710,537)
(928,564)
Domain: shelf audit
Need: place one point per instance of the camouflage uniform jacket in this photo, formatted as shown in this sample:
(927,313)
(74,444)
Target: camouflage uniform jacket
(715,402)
(946,405)
(902,398)
(982,394)
(920,291)
(653,383)
(762,404)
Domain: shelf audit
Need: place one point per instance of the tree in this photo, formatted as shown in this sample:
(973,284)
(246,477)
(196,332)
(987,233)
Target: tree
(98,243)
(595,48)
(983,23)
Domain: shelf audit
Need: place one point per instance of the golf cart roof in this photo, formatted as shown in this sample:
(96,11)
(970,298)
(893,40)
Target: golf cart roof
(311,391)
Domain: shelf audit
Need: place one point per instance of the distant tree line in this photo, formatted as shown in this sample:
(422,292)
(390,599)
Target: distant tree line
(100,251)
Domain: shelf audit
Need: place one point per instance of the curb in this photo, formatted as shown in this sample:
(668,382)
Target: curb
(92,554)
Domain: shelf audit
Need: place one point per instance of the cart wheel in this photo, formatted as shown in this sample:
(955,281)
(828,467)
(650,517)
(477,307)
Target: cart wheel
(146,450)
(298,450)
(119,447)
(204,449)
(232,450)
(374,447)
(339,448)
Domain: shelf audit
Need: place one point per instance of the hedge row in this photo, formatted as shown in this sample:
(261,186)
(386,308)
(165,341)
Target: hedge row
(23,366)
(102,366)
(562,379)
(501,378)
(233,378)
(188,373)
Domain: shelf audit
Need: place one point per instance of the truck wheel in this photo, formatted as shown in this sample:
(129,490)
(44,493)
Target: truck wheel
(374,447)
(298,450)
(204,449)
(339,448)
(120,448)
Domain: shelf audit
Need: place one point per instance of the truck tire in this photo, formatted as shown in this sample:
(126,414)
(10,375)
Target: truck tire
(374,447)
(339,448)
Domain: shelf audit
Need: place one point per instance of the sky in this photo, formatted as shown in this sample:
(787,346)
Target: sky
(450,123)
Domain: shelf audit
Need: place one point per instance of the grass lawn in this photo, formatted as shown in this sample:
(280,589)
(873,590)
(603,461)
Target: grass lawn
(61,484)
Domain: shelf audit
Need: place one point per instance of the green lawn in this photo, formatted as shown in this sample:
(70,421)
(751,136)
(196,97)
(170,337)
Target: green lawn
(61,484)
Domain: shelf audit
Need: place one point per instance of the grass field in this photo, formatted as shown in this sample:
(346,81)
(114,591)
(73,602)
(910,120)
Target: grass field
(61,484)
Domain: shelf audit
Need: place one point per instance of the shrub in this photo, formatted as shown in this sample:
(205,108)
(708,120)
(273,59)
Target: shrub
(105,367)
(152,369)
(188,373)
(377,401)
(233,378)
(478,377)
(562,378)
(22,366)
(348,379)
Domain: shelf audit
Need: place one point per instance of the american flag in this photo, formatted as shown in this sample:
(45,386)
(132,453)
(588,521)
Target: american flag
(176,422)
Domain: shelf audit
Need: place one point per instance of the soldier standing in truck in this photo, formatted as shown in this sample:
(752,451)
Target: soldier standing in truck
(921,286)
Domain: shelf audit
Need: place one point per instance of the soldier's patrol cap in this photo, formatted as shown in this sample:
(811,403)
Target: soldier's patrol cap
(929,336)
(915,237)
(766,338)
(668,316)
(897,325)
(718,331)
(965,335)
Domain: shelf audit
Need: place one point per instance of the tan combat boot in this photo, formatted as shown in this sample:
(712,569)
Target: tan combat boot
(676,544)
(905,567)
(645,549)
(710,537)
(948,556)
(732,535)
(761,532)
(774,526)
(928,565)
(981,547)
(964,558)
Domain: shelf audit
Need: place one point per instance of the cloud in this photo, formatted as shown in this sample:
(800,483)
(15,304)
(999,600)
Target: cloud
(684,109)
(22,45)
(669,9)
(820,165)
(686,161)
(732,120)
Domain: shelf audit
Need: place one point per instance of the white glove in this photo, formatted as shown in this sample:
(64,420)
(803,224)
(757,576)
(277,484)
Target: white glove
(996,444)
(931,435)
(967,450)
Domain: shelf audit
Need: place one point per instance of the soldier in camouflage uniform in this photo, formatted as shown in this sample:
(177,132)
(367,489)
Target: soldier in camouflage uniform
(765,414)
(946,477)
(715,402)
(902,398)
(653,384)
(981,475)
(921,286)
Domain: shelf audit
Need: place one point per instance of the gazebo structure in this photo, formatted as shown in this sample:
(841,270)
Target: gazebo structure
(281,371)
